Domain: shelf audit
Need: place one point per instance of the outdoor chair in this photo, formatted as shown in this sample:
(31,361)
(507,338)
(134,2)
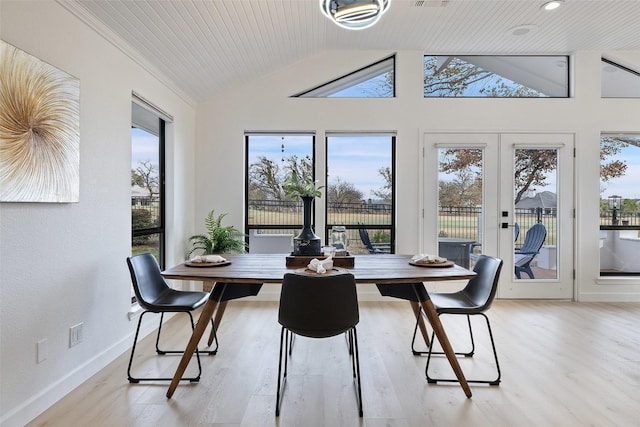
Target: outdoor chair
(474,256)
(533,241)
(474,299)
(364,236)
(319,306)
(155,296)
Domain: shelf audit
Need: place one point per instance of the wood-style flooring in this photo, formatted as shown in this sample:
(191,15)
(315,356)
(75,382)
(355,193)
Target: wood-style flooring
(563,364)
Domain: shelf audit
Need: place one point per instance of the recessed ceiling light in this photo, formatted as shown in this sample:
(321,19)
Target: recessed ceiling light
(522,30)
(551,5)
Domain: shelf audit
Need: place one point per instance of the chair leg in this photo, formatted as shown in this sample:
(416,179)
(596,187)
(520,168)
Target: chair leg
(432,380)
(356,357)
(134,380)
(423,329)
(207,352)
(286,338)
(282,378)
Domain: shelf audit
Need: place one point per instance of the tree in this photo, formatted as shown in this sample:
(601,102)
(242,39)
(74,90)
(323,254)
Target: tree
(146,176)
(267,176)
(533,165)
(610,146)
(384,193)
(455,76)
(463,191)
(343,192)
(629,205)
(265,180)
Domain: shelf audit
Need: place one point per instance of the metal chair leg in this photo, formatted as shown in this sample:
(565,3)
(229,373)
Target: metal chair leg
(356,357)
(282,379)
(432,380)
(134,380)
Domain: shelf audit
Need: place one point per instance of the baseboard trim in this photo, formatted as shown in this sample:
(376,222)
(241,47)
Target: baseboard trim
(47,397)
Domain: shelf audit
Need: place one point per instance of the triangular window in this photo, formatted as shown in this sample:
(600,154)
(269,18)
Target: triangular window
(373,81)
(619,81)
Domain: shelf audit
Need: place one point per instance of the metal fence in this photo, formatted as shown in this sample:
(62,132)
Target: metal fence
(454,221)
(618,218)
(280,213)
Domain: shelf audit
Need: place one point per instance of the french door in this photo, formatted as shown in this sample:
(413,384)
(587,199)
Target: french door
(508,195)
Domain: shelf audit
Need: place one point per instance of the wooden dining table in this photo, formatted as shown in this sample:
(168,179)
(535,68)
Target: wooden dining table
(271,268)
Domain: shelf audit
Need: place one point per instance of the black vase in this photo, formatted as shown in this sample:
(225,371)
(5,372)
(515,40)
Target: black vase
(307,243)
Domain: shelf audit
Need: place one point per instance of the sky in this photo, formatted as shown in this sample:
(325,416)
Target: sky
(357,159)
(352,159)
(628,186)
(144,147)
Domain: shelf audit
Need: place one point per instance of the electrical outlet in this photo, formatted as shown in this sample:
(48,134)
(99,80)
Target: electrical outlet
(76,334)
(42,350)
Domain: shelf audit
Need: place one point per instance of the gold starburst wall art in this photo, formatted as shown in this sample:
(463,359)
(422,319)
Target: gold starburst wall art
(39,130)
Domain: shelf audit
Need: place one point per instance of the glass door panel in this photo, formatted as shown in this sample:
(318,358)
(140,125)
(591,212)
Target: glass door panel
(536,215)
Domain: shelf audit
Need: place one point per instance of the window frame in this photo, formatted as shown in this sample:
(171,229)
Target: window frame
(512,67)
(392,226)
(159,229)
(297,226)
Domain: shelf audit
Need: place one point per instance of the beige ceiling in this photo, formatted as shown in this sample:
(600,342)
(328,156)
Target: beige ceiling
(205,47)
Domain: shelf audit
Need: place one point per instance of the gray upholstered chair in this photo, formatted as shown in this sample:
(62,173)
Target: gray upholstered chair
(319,306)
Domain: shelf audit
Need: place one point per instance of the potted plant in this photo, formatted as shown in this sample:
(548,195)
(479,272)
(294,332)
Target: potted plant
(305,243)
(295,186)
(219,239)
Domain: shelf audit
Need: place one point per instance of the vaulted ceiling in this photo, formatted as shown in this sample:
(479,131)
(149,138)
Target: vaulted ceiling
(205,47)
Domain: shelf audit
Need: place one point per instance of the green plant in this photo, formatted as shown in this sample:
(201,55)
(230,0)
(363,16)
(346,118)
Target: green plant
(218,239)
(295,186)
(140,219)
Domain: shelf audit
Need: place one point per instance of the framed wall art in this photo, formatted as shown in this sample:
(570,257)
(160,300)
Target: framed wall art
(39,130)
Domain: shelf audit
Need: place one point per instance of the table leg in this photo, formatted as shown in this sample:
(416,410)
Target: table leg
(216,322)
(423,328)
(203,321)
(438,329)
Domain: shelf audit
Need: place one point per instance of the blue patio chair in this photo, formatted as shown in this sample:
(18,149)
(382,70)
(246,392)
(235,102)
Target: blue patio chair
(364,236)
(533,241)
(474,256)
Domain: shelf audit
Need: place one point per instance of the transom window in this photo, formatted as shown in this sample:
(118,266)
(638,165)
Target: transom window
(496,76)
(619,81)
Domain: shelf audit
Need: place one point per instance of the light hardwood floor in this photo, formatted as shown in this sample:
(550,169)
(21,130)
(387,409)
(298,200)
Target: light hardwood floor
(563,364)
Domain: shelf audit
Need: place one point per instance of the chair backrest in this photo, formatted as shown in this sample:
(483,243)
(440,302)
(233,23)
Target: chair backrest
(148,283)
(318,306)
(364,236)
(482,288)
(534,239)
(516,231)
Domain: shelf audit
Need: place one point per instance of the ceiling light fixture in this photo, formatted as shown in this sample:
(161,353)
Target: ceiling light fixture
(551,5)
(354,14)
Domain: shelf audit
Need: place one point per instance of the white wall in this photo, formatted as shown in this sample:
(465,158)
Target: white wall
(61,264)
(264,105)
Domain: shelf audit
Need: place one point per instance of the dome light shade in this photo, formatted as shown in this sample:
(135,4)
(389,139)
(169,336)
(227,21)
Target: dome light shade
(354,14)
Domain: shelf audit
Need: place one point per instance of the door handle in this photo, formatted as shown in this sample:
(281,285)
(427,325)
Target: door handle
(506,225)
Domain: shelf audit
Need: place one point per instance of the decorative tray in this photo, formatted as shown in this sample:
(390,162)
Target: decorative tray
(346,261)
(330,272)
(432,264)
(206,264)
